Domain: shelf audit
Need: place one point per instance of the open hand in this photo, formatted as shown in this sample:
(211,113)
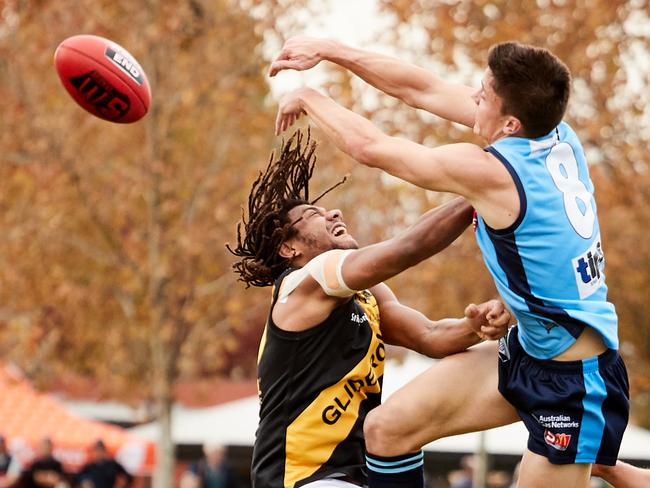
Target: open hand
(489,319)
(299,53)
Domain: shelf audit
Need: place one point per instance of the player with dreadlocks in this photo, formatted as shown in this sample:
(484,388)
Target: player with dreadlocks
(284,185)
(321,357)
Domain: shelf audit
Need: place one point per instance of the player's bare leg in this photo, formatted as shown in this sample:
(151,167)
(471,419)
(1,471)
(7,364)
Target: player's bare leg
(456,395)
(537,472)
(622,475)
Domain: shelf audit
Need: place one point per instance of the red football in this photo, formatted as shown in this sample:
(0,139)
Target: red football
(103,78)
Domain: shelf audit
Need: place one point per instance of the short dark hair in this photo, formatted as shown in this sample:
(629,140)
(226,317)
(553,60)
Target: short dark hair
(533,84)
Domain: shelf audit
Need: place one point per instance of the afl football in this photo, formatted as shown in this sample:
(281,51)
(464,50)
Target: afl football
(103,78)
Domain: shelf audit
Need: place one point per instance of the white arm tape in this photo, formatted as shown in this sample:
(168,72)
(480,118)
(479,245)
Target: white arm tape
(326,269)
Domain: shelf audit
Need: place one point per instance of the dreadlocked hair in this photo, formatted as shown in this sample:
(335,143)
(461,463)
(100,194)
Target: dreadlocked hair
(282,186)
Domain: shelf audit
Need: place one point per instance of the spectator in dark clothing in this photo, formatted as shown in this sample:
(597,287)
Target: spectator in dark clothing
(103,471)
(45,471)
(9,466)
(463,478)
(5,457)
(213,471)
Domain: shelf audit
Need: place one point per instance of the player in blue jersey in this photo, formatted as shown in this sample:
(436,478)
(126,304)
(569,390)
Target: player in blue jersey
(559,370)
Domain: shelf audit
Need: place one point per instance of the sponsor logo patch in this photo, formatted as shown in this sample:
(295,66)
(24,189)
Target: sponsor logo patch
(353,390)
(588,269)
(98,92)
(558,441)
(126,64)
(359,319)
(504,351)
(557,422)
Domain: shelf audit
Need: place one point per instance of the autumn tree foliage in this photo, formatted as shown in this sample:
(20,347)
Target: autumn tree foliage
(112,257)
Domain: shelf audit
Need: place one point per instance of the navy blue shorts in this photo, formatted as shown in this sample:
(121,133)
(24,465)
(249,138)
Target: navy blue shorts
(575,411)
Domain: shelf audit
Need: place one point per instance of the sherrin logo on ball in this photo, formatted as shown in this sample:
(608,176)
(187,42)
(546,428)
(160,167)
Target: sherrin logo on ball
(125,61)
(103,78)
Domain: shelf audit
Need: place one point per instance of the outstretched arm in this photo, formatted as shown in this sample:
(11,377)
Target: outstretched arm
(413,85)
(458,168)
(432,233)
(332,277)
(404,326)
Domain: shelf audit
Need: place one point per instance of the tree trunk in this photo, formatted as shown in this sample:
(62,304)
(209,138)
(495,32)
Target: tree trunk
(479,477)
(165,458)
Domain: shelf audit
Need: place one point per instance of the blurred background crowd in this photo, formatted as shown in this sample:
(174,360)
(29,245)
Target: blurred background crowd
(213,470)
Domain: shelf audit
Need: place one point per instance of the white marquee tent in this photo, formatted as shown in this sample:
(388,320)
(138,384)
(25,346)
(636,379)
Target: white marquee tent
(234,423)
(231,423)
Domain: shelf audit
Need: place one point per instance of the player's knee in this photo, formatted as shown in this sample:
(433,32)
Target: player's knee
(382,432)
(374,432)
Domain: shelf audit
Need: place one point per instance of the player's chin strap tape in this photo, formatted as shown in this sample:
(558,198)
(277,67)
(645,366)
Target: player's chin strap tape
(326,269)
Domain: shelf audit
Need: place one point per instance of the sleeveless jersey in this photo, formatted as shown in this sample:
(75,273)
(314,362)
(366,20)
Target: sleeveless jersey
(316,387)
(549,265)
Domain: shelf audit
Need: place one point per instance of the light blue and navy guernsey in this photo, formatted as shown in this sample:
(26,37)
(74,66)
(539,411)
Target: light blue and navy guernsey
(549,268)
(549,265)
(574,411)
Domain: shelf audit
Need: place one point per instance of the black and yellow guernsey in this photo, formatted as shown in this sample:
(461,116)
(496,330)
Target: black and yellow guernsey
(315,388)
